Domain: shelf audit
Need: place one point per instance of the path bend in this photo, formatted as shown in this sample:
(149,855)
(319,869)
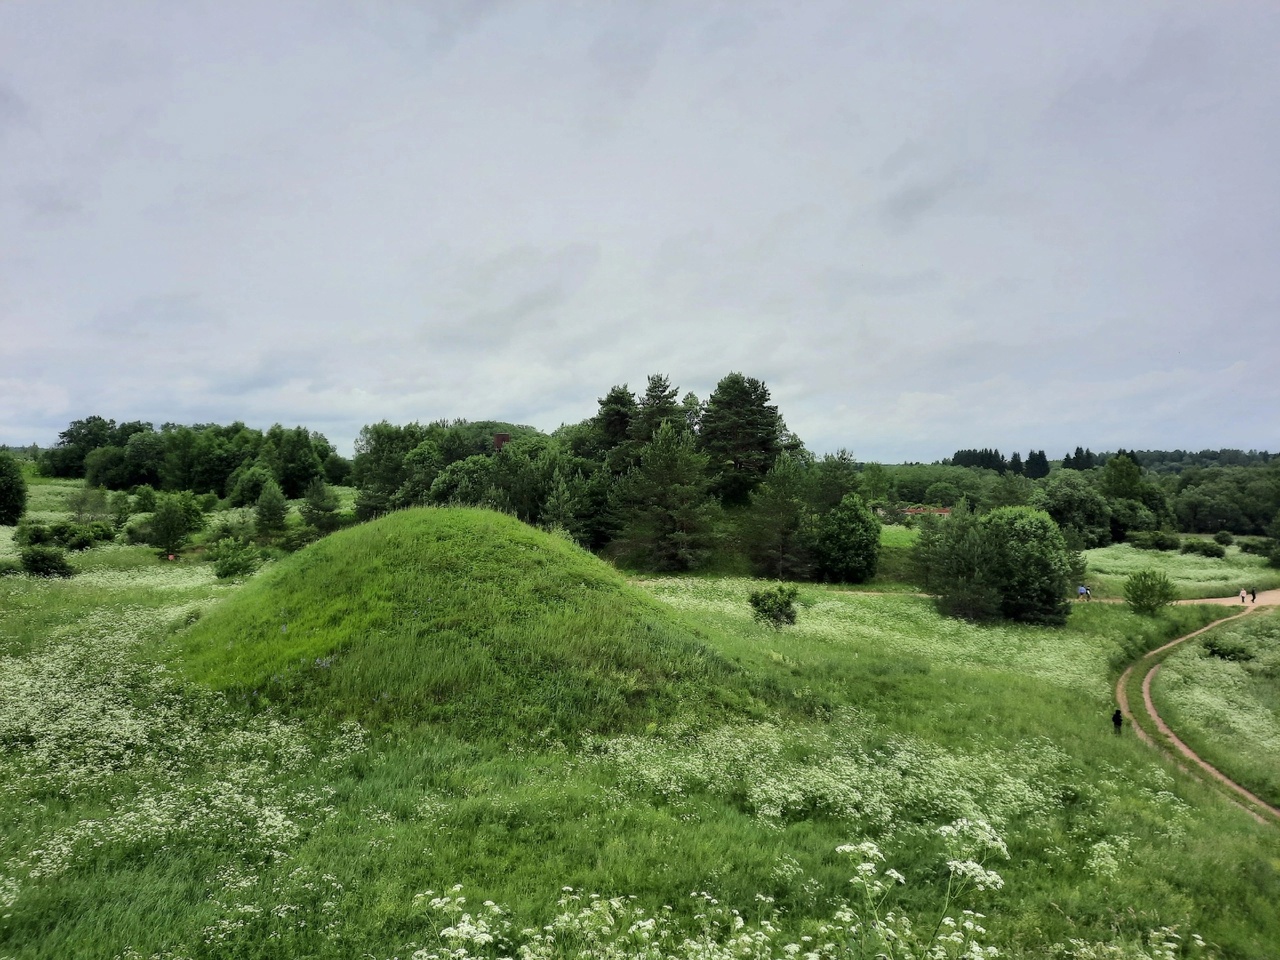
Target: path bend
(1150,667)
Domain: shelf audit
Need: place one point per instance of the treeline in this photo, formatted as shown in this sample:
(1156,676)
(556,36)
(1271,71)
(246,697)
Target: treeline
(230,462)
(654,480)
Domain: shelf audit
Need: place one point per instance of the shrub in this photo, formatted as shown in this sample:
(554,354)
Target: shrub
(9,567)
(233,558)
(31,534)
(144,498)
(847,547)
(1206,548)
(1155,540)
(1258,546)
(1148,590)
(40,560)
(271,510)
(13,490)
(775,606)
(1224,537)
(1228,648)
(71,536)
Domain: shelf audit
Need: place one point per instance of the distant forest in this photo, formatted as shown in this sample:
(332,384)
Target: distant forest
(676,483)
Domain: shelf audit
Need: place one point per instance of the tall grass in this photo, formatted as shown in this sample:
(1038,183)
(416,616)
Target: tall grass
(781,775)
(1221,695)
(1194,576)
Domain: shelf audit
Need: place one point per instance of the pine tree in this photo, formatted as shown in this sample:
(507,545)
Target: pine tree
(271,509)
(742,434)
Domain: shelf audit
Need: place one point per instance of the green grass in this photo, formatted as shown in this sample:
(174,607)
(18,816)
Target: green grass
(151,816)
(1194,576)
(460,617)
(1226,705)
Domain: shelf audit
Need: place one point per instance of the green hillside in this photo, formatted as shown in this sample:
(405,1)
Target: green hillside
(465,617)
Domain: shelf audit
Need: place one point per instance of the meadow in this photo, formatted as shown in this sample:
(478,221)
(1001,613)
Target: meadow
(1194,576)
(1221,693)
(447,735)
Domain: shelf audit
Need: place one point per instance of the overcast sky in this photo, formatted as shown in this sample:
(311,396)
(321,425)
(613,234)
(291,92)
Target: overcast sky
(924,226)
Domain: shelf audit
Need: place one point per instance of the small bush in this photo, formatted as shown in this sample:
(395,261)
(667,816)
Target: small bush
(1206,548)
(1258,546)
(775,606)
(46,561)
(32,534)
(1227,648)
(71,536)
(1148,590)
(1224,537)
(233,558)
(9,567)
(144,498)
(1154,540)
(138,531)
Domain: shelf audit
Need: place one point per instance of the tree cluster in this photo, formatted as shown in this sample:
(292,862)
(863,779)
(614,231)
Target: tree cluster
(655,480)
(230,461)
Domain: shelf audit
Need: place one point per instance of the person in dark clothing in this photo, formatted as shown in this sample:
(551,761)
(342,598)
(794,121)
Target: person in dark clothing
(1253,594)
(1117,719)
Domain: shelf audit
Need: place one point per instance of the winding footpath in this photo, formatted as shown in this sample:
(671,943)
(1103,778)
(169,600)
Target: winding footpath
(1149,666)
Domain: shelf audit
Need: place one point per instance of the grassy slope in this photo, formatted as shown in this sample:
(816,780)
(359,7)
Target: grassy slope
(464,617)
(150,815)
(1228,710)
(1193,575)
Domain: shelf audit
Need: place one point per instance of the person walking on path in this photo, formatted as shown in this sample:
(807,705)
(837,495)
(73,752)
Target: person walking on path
(1242,594)
(1253,594)
(1081,591)
(1117,719)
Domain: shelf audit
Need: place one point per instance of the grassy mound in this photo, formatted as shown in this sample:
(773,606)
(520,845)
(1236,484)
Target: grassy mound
(460,617)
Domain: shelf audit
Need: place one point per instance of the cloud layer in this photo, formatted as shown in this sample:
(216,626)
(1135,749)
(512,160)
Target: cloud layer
(926,226)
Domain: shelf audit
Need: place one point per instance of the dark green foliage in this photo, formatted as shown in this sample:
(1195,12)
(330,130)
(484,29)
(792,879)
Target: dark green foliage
(41,560)
(775,606)
(611,426)
(81,437)
(1227,647)
(144,499)
(986,459)
(1037,465)
(846,548)
(271,510)
(831,478)
(664,504)
(378,470)
(337,469)
(170,524)
(656,407)
(9,568)
(1147,591)
(421,466)
(247,483)
(957,561)
(320,507)
(1205,548)
(233,558)
(296,455)
(466,482)
(119,506)
(1076,506)
(1080,460)
(1224,538)
(1155,540)
(64,533)
(777,530)
(13,490)
(1032,565)
(1013,563)
(742,434)
(1015,463)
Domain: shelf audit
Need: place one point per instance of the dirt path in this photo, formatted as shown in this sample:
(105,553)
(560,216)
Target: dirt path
(1150,667)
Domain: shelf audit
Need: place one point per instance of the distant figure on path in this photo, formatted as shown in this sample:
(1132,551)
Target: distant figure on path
(1088,594)
(1253,594)
(1242,594)
(1117,719)
(1080,591)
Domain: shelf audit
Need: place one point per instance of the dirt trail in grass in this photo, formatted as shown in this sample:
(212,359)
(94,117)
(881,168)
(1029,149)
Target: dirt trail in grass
(1149,665)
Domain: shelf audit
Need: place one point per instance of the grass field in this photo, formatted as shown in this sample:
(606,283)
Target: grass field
(1221,693)
(1194,576)
(301,767)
